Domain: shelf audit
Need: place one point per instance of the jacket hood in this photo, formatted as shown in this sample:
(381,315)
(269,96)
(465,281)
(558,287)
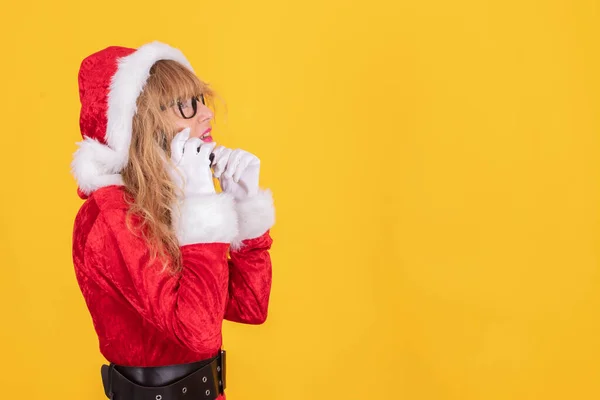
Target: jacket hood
(110,81)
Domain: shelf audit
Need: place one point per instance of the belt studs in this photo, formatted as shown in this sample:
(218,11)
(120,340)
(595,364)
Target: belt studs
(208,392)
(204,379)
(158,397)
(184,390)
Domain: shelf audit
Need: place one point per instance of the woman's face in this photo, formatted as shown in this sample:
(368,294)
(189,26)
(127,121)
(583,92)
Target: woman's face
(193,114)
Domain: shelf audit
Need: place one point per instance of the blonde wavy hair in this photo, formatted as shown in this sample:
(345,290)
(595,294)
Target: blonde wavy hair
(152,194)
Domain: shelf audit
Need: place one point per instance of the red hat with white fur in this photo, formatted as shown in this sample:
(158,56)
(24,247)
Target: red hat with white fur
(110,81)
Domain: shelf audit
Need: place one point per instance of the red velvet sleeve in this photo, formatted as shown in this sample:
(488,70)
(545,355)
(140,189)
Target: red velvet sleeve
(188,306)
(250,278)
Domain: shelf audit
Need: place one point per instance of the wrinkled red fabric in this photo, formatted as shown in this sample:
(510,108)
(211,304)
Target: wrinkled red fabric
(95,75)
(145,317)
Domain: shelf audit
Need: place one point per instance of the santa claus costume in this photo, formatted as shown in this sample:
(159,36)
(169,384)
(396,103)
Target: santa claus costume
(160,332)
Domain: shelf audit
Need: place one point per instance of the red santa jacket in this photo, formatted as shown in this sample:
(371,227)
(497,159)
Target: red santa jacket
(145,316)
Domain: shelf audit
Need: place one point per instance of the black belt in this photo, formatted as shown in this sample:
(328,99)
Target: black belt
(200,380)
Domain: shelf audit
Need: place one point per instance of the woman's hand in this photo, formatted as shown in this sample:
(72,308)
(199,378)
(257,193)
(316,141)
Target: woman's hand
(238,172)
(192,173)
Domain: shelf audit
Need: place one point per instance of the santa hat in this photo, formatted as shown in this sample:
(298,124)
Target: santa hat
(110,82)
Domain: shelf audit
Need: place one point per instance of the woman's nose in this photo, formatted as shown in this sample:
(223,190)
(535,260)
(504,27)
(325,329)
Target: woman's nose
(204,113)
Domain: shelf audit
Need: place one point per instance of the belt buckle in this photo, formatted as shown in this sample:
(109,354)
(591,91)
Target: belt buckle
(222,364)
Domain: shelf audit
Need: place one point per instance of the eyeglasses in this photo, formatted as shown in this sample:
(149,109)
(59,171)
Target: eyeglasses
(187,108)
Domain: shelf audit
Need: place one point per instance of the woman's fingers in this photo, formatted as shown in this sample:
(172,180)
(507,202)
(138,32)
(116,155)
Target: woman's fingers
(178,143)
(222,155)
(232,164)
(245,160)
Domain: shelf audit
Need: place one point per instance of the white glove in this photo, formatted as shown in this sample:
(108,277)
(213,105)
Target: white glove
(192,173)
(238,172)
(200,215)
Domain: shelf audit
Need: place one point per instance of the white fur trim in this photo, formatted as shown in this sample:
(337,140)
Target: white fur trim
(126,86)
(256,215)
(206,219)
(94,164)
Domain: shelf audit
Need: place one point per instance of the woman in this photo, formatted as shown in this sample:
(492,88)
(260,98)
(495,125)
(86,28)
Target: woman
(160,256)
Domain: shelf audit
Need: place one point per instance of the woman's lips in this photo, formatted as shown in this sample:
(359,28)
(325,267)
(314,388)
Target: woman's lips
(206,137)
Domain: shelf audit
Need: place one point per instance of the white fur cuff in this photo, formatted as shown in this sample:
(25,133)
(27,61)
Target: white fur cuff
(256,215)
(206,219)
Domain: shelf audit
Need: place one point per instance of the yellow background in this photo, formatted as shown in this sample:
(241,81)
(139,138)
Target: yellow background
(437,179)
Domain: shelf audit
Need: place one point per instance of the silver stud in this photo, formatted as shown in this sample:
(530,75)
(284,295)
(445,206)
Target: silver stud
(218,369)
(158,397)
(220,383)
(204,379)
(184,389)
(208,392)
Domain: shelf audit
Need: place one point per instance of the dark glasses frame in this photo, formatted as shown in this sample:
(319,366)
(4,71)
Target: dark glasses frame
(179,104)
